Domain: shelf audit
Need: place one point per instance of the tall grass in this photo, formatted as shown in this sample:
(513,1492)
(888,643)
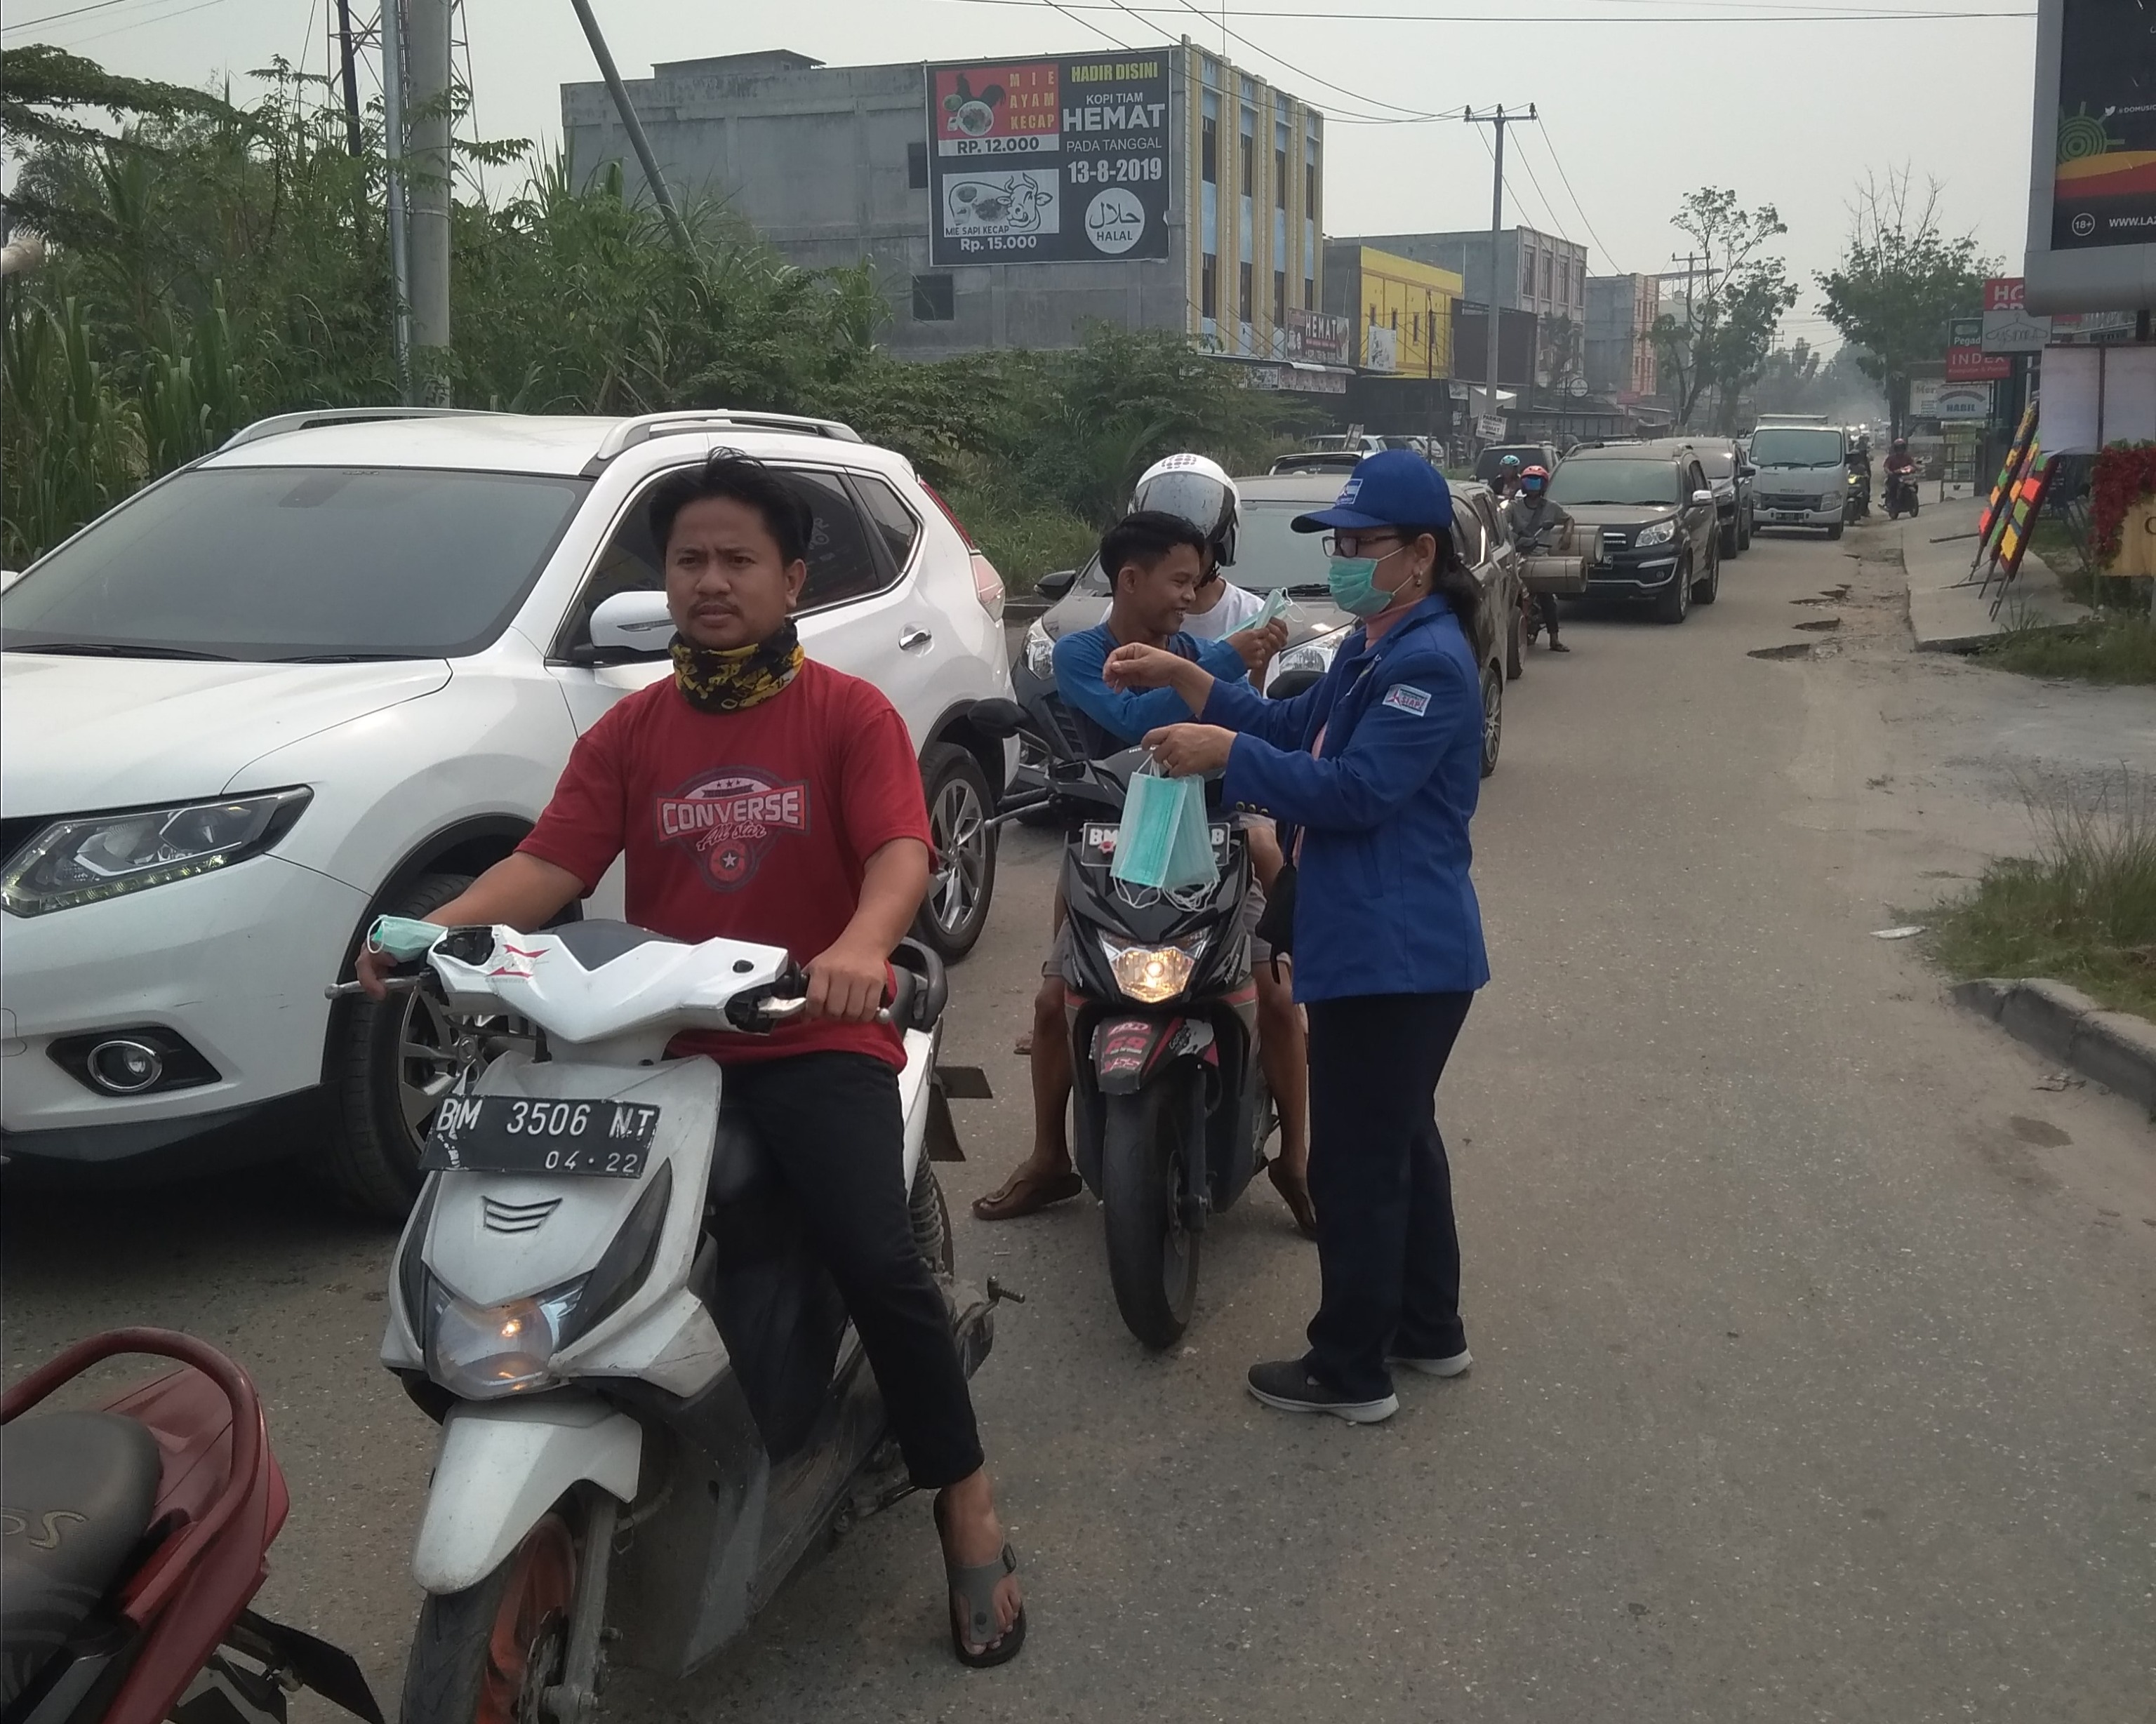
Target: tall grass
(2110,646)
(2080,910)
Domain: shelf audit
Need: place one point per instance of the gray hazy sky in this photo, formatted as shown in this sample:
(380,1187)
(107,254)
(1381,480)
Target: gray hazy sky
(1784,105)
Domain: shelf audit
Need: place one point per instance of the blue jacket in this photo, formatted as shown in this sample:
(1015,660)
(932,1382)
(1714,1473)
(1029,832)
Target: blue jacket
(1112,719)
(1384,903)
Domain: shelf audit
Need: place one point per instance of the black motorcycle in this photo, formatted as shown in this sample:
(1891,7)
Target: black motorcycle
(1172,1110)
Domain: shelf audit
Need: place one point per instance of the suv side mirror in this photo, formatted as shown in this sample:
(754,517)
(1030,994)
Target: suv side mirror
(1702,496)
(634,624)
(1054,586)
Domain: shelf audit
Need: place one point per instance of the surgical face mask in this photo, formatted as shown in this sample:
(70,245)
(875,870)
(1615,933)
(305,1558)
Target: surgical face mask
(1353,581)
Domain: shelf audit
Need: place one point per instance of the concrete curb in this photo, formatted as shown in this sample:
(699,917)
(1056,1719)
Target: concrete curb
(2115,1049)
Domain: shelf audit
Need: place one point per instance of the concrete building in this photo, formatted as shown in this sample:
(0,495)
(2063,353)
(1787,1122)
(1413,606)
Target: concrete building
(1402,311)
(1536,272)
(832,164)
(1621,311)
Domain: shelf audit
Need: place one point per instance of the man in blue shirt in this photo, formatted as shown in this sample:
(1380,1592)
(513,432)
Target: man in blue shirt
(1156,562)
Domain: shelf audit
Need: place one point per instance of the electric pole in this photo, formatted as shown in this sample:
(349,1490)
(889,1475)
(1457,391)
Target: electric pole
(427,43)
(351,77)
(1498,118)
(633,127)
(393,156)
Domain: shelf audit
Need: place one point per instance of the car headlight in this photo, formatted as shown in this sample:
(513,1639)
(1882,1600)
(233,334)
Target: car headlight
(1153,973)
(1660,533)
(1040,650)
(74,862)
(482,1352)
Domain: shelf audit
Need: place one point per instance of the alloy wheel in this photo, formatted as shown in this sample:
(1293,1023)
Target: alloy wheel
(958,826)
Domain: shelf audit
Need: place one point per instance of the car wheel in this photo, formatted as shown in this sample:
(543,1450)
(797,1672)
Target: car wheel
(1834,531)
(1673,603)
(1516,646)
(392,1063)
(1707,591)
(964,881)
(1744,530)
(1493,716)
(1728,538)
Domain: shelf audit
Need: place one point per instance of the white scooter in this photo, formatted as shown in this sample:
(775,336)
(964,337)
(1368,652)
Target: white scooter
(653,1407)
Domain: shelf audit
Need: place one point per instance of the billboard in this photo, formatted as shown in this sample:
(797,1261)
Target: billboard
(2008,325)
(1320,338)
(1049,161)
(2091,242)
(1972,365)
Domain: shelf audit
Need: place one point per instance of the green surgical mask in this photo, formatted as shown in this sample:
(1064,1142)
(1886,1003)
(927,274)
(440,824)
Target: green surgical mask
(1353,581)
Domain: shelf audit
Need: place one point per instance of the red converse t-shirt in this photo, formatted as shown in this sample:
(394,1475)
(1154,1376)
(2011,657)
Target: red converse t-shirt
(755,825)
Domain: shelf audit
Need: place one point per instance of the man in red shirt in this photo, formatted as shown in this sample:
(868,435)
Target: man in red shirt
(760,795)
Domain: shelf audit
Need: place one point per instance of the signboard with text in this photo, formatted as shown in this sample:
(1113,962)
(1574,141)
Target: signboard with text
(2008,327)
(1049,162)
(1973,364)
(2092,226)
(1320,338)
(1961,401)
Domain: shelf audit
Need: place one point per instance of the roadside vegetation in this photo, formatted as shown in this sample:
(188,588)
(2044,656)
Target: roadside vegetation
(210,263)
(2081,910)
(2116,643)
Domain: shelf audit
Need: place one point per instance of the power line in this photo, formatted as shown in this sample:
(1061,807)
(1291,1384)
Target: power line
(53,17)
(134,23)
(1554,161)
(1115,41)
(1512,21)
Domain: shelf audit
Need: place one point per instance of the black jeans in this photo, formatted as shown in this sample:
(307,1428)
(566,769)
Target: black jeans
(832,1123)
(1546,613)
(1388,1249)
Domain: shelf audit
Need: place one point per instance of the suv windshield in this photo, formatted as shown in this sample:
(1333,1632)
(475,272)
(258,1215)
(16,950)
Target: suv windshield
(318,563)
(1781,446)
(1638,483)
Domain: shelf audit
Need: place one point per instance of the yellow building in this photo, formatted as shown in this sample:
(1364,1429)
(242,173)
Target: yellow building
(1403,311)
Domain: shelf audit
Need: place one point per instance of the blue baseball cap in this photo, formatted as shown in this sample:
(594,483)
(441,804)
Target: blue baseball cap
(1395,487)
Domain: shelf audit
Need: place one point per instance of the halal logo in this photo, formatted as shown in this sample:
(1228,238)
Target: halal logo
(728,820)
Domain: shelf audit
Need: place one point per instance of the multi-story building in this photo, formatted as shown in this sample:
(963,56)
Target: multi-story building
(1402,311)
(1007,203)
(1621,311)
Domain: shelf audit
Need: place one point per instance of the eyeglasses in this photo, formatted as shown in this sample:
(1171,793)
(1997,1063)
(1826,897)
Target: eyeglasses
(1355,544)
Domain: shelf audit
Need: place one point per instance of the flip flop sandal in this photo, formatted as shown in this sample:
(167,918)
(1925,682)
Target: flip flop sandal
(1026,1194)
(976,1584)
(1296,1194)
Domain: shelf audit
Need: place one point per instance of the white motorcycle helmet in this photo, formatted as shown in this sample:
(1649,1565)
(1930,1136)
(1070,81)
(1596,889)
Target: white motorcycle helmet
(1199,490)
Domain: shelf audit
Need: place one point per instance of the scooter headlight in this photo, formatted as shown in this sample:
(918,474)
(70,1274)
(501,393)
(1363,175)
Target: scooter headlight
(1153,973)
(482,1352)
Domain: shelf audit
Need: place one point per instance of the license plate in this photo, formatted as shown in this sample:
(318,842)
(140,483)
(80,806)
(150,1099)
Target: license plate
(1789,514)
(1100,841)
(539,1134)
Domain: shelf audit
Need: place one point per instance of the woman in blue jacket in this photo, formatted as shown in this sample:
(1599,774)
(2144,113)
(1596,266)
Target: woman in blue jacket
(1377,769)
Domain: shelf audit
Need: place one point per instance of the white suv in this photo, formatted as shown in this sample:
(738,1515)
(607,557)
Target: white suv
(333,670)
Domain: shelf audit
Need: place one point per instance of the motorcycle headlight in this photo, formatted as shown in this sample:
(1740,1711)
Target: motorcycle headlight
(482,1352)
(1039,651)
(1660,533)
(1153,973)
(1304,657)
(74,862)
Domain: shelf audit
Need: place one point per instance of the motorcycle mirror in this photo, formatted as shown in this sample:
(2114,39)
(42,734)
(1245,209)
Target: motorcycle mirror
(997,718)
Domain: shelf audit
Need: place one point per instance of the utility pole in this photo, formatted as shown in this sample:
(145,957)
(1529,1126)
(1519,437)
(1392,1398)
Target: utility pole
(393,153)
(351,77)
(1498,118)
(427,43)
(633,127)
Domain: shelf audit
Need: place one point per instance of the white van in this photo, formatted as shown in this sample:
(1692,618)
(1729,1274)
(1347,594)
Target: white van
(1802,477)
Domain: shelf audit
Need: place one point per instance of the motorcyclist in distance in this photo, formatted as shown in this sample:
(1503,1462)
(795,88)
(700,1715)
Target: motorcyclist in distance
(1508,481)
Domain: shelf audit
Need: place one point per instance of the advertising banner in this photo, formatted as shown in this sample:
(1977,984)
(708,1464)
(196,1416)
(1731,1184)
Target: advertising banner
(2008,327)
(1381,348)
(2104,191)
(1049,162)
(1973,364)
(1963,401)
(1320,338)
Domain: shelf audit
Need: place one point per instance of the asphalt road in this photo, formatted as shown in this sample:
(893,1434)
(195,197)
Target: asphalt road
(1815,1335)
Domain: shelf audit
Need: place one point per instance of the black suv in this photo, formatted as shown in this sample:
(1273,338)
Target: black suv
(1654,509)
(1730,476)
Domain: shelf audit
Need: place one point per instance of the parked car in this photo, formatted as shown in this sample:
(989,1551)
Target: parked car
(1730,475)
(1802,476)
(1316,460)
(1530,455)
(1660,536)
(1358,445)
(333,670)
(1270,555)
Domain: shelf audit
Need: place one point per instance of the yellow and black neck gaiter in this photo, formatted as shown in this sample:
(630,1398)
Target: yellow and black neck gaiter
(733,679)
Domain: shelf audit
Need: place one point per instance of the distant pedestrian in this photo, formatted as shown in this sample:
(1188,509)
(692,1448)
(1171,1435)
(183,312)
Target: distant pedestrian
(1373,774)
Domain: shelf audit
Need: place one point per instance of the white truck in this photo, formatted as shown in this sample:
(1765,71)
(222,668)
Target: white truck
(1803,472)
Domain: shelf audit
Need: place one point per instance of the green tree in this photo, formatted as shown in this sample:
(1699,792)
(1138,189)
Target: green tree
(1902,281)
(1717,341)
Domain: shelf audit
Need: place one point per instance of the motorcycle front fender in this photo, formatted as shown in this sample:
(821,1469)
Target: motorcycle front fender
(1127,1051)
(502,1465)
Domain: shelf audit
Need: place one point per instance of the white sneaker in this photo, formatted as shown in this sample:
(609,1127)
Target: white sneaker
(1452,1366)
